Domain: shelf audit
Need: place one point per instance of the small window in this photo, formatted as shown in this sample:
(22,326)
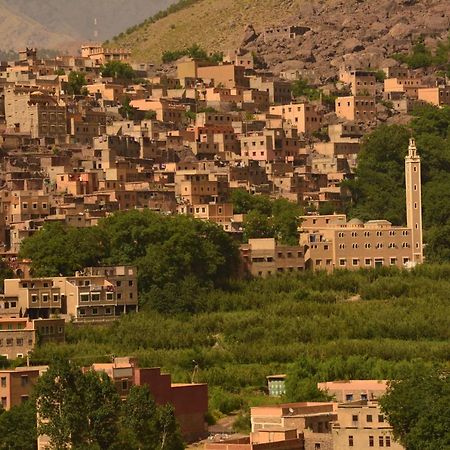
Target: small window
(84,297)
(381,418)
(3,382)
(371,441)
(350,441)
(369,418)
(381,441)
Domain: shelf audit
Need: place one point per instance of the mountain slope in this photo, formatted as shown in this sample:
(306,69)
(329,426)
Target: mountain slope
(53,23)
(370,31)
(216,25)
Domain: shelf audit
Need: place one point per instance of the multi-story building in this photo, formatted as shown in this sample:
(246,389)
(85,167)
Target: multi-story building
(354,390)
(356,108)
(362,82)
(304,116)
(332,242)
(263,257)
(97,294)
(361,425)
(437,96)
(16,385)
(18,336)
(35,112)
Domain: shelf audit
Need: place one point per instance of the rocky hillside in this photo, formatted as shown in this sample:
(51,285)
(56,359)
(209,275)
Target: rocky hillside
(334,31)
(58,23)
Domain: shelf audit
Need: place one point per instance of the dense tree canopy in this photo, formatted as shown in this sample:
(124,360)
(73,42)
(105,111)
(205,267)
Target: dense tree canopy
(76,82)
(166,249)
(261,327)
(267,218)
(83,410)
(18,427)
(119,70)
(58,249)
(417,407)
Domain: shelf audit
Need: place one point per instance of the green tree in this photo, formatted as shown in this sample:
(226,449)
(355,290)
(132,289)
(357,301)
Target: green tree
(257,225)
(129,112)
(150,115)
(102,406)
(18,428)
(75,83)
(76,409)
(437,249)
(118,70)
(169,433)
(416,407)
(286,221)
(59,249)
(59,400)
(139,419)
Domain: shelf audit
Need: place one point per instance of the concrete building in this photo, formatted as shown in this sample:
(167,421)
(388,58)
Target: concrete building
(362,426)
(99,294)
(356,108)
(16,385)
(304,116)
(263,257)
(332,242)
(35,112)
(362,82)
(276,385)
(354,390)
(437,96)
(18,336)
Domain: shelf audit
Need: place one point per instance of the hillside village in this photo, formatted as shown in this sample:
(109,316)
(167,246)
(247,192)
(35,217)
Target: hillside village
(86,136)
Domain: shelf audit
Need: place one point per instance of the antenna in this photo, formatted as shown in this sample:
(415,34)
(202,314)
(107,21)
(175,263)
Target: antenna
(95,29)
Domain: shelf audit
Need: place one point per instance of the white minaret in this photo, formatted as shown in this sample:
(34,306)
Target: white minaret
(414,201)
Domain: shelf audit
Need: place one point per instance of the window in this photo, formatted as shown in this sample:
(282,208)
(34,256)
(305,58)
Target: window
(45,298)
(381,441)
(355,416)
(388,441)
(355,262)
(82,312)
(118,283)
(363,396)
(55,298)
(369,418)
(94,311)
(109,296)
(108,311)
(350,441)
(19,342)
(4,403)
(342,262)
(24,380)
(381,418)
(84,297)
(371,441)
(124,385)
(95,296)
(9,342)
(34,298)
(3,382)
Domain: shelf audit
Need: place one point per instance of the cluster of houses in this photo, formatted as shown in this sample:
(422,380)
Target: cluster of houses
(180,144)
(352,419)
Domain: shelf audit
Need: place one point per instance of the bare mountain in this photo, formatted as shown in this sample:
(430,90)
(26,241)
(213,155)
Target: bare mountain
(58,23)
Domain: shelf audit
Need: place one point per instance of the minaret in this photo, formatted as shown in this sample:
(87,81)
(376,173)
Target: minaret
(414,201)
